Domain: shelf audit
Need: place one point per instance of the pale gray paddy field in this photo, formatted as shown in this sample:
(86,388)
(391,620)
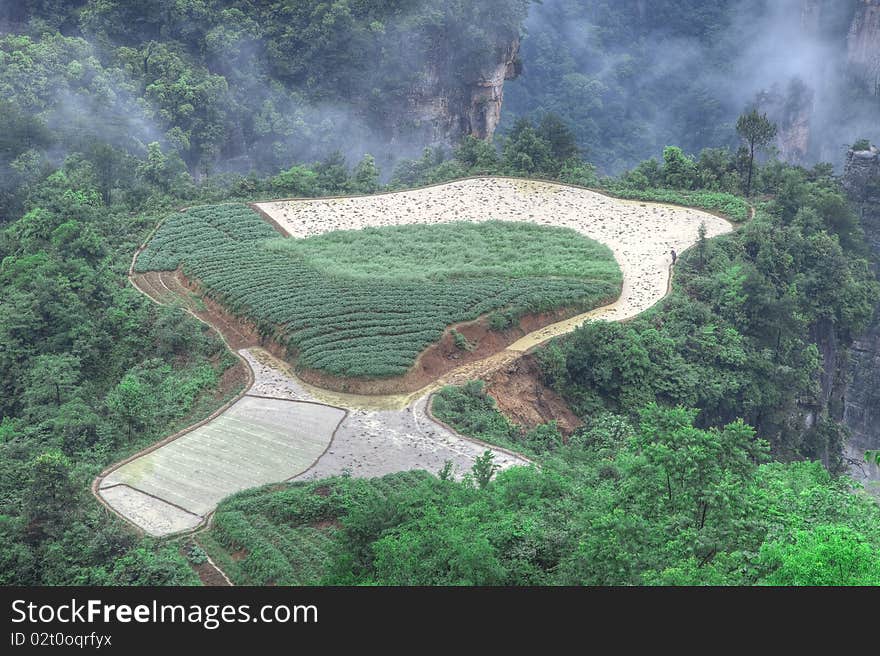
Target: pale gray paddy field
(255,442)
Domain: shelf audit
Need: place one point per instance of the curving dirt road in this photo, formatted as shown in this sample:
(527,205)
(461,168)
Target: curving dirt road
(378,434)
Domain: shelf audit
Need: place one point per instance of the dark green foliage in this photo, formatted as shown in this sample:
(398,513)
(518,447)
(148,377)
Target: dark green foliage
(757,131)
(730,206)
(113,113)
(484,469)
(501,320)
(736,337)
(460,341)
(90,371)
(471,411)
(632,77)
(288,535)
(246,84)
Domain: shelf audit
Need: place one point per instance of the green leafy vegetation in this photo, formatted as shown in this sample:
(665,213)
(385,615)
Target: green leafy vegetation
(736,338)
(113,114)
(472,412)
(90,372)
(252,84)
(291,540)
(730,206)
(454,250)
(366,324)
(630,78)
(757,131)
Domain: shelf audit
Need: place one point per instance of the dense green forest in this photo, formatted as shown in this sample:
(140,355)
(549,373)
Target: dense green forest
(93,371)
(114,114)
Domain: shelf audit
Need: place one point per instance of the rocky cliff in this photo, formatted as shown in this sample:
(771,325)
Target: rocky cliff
(850,36)
(861,411)
(791,110)
(863,45)
(448,104)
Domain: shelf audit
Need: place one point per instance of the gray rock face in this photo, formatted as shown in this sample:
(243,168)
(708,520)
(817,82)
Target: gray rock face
(446,106)
(862,402)
(863,44)
(791,108)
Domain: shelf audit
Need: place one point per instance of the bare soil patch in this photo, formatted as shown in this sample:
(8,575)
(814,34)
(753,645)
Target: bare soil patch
(434,362)
(208,574)
(522,396)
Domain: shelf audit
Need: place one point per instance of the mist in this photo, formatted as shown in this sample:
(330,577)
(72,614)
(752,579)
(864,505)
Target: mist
(679,73)
(629,77)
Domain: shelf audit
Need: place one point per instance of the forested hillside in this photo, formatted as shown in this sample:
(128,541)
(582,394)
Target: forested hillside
(114,115)
(255,85)
(634,76)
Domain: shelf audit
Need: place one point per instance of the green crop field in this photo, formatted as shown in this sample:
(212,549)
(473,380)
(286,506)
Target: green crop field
(283,535)
(366,303)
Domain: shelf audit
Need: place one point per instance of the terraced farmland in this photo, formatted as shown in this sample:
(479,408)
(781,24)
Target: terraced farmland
(256,441)
(380,435)
(370,324)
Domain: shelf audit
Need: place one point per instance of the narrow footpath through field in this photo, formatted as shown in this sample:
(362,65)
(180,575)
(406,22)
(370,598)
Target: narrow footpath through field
(281,428)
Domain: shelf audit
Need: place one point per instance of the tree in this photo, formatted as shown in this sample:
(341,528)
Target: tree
(692,479)
(679,170)
(525,151)
(333,175)
(50,378)
(825,555)
(366,176)
(128,401)
(155,169)
(484,467)
(447,472)
(562,141)
(702,244)
(49,494)
(756,130)
(479,156)
(296,181)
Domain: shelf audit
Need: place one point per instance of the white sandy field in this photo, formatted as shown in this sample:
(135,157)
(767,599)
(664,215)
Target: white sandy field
(290,435)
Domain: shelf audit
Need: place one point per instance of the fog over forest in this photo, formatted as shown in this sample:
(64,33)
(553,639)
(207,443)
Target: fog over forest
(391,78)
(632,77)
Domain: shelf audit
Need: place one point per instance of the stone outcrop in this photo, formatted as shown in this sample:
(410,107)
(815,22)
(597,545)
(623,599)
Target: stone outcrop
(863,45)
(862,402)
(447,105)
(485,94)
(795,107)
(792,112)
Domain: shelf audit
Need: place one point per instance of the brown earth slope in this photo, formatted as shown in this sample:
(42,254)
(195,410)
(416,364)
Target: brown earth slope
(523,397)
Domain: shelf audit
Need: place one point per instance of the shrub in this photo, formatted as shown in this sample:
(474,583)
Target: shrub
(461,341)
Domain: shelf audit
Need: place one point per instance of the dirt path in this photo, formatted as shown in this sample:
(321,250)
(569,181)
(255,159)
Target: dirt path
(383,434)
